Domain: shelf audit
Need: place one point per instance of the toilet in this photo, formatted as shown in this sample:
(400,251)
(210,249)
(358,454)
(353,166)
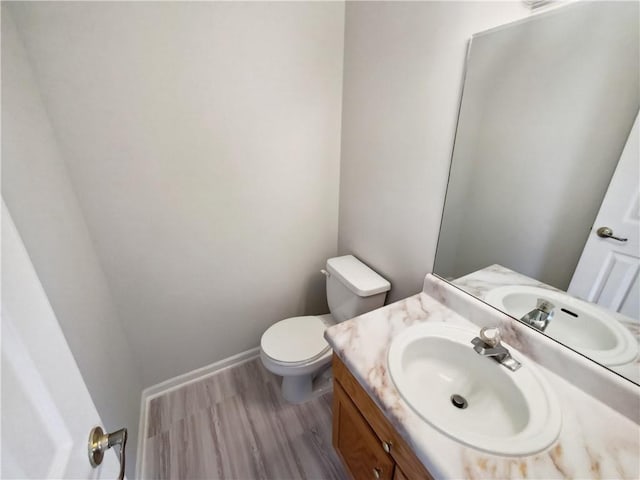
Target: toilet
(295,348)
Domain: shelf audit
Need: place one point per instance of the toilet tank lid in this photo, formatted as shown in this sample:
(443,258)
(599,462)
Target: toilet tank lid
(356,276)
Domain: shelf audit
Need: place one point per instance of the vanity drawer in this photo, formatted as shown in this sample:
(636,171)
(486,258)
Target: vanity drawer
(387,437)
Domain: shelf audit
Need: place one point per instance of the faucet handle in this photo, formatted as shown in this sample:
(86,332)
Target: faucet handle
(545,305)
(491,340)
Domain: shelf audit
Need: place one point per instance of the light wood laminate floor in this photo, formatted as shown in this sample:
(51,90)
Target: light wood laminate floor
(235,425)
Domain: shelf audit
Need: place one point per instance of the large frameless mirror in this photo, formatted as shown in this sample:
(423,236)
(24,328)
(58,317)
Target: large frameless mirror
(542,214)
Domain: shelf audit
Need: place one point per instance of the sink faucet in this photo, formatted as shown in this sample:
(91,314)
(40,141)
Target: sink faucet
(540,316)
(490,346)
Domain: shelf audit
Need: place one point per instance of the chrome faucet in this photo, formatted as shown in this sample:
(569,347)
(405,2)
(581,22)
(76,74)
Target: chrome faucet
(540,316)
(490,346)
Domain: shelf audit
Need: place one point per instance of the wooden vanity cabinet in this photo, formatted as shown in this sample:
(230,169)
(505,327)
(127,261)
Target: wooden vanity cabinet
(399,475)
(365,441)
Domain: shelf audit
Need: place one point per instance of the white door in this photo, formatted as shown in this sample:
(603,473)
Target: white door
(47,412)
(607,273)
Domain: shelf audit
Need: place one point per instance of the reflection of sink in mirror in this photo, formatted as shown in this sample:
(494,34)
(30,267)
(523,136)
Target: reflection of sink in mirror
(471,397)
(580,325)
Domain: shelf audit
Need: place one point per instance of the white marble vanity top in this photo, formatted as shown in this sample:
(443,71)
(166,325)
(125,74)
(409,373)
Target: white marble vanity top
(598,440)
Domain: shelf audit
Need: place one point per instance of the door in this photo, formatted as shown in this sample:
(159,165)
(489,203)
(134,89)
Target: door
(47,412)
(607,273)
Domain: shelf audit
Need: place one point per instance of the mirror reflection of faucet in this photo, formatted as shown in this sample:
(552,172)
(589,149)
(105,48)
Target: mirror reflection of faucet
(588,328)
(540,316)
(490,346)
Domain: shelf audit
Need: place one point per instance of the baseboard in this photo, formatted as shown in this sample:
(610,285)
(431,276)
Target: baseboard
(142,428)
(178,382)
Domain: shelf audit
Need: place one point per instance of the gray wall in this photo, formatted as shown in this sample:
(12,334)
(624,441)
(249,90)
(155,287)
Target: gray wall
(404,65)
(203,142)
(548,105)
(43,204)
(205,154)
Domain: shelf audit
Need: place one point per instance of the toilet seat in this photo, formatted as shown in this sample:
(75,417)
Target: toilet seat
(295,340)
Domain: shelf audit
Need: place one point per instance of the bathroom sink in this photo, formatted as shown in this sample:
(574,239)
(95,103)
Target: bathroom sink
(470,397)
(583,326)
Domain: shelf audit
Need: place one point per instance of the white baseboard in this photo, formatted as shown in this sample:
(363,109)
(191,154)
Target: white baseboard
(178,382)
(142,429)
(199,373)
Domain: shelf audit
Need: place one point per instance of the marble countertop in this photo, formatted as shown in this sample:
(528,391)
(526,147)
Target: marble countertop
(598,440)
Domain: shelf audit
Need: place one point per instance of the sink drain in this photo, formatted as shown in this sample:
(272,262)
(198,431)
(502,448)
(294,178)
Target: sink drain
(459,401)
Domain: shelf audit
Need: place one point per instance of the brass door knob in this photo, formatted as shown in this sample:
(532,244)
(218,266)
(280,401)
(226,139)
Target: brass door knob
(100,442)
(606,232)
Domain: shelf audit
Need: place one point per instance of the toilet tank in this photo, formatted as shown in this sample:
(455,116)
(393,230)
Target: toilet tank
(353,288)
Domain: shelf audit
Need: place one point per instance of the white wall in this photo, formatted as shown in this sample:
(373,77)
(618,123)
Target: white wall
(203,141)
(39,194)
(542,126)
(404,65)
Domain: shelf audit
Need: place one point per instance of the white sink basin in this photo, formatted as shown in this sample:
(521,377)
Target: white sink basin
(580,325)
(506,412)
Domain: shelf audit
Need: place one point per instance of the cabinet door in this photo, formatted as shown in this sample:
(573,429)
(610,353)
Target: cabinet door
(355,442)
(398,475)
(400,451)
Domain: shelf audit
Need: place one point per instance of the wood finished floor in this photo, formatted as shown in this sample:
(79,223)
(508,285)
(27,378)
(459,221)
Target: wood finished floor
(235,425)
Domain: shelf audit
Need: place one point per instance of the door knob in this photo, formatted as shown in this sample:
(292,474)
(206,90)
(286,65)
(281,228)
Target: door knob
(606,232)
(100,442)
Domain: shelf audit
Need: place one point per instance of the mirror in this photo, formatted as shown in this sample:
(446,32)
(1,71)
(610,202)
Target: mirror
(544,155)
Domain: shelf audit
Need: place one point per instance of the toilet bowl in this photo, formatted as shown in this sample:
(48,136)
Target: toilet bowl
(295,348)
